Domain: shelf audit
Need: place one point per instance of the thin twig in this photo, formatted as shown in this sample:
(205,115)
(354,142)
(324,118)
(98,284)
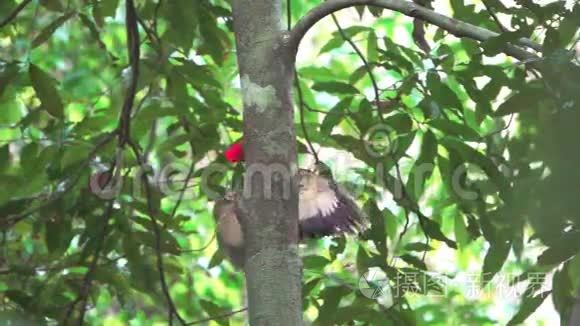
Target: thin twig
(302,120)
(201,248)
(155,15)
(366,65)
(501,129)
(84,290)
(125,138)
(427,239)
(151,142)
(157,232)
(13,219)
(190,172)
(301,103)
(14,13)
(406,226)
(183,189)
(494,16)
(89,276)
(224,315)
(151,35)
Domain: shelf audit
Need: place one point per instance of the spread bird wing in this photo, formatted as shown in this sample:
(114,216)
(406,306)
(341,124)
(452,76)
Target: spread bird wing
(329,212)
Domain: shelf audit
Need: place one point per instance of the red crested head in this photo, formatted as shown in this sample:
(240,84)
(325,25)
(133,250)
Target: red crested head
(235,153)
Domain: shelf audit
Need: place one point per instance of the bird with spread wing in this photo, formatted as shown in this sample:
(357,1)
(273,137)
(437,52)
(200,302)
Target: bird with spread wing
(324,209)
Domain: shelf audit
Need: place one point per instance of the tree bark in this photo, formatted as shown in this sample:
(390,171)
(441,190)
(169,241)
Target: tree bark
(453,26)
(269,205)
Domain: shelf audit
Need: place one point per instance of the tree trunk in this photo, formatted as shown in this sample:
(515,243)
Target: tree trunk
(269,207)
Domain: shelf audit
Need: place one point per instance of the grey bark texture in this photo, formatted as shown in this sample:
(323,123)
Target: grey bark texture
(269,204)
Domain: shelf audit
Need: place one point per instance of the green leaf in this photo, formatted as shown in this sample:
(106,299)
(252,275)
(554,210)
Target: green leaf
(414,261)
(314,262)
(360,10)
(183,20)
(495,45)
(168,243)
(574,273)
(214,310)
(417,246)
(428,148)
(376,11)
(471,155)
(199,76)
(372,53)
(45,89)
(112,276)
(47,32)
(525,100)
(317,73)
(442,93)
(4,158)
(359,73)
(461,234)
(401,122)
(172,142)
(332,44)
(494,259)
(103,9)
(337,248)
(527,307)
(335,115)
(561,249)
(331,297)
(8,73)
(377,233)
(58,234)
(216,259)
(353,30)
(455,129)
(433,230)
(309,286)
(424,166)
(214,39)
(21,298)
(335,88)
(53,5)
(337,40)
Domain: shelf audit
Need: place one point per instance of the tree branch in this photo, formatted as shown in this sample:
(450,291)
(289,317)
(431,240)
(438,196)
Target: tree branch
(224,315)
(172,309)
(14,13)
(453,26)
(301,105)
(133,51)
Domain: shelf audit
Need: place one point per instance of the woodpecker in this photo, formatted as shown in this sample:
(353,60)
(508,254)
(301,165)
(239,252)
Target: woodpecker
(324,209)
